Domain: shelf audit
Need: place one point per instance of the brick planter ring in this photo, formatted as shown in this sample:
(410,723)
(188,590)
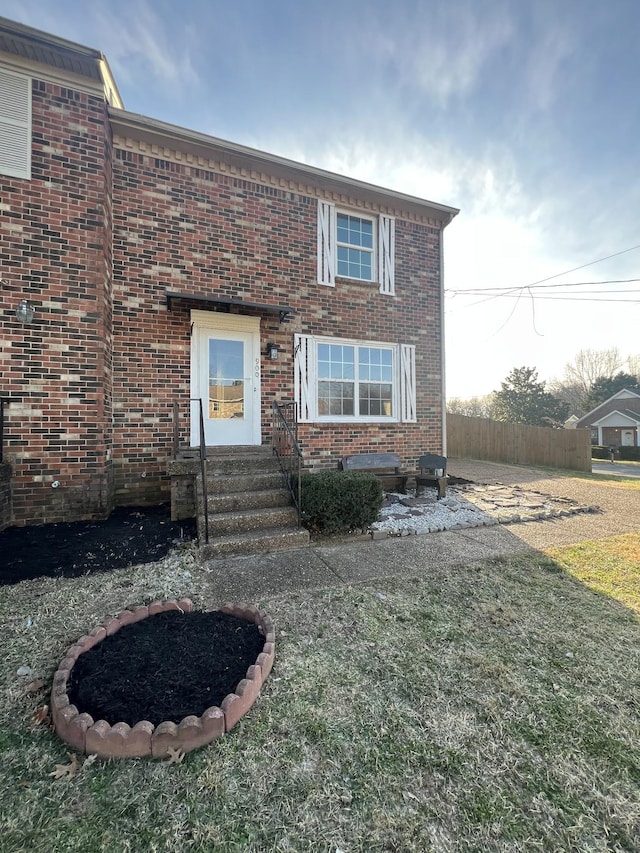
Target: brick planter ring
(120,740)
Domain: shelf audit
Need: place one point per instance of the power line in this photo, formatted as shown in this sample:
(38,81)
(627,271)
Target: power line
(541,281)
(497,290)
(579,299)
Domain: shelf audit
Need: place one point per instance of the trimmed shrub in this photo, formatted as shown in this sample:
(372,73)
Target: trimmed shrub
(629,454)
(623,453)
(340,501)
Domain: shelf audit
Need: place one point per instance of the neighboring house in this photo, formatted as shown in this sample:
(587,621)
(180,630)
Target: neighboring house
(616,421)
(571,422)
(150,265)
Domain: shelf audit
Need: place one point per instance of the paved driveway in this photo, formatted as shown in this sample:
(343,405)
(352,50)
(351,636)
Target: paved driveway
(618,469)
(620,506)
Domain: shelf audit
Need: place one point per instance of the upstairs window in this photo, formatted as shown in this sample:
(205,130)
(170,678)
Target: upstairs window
(15,125)
(356,247)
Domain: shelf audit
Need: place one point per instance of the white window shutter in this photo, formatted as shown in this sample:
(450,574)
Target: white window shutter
(326,243)
(408,383)
(386,253)
(303,377)
(15,125)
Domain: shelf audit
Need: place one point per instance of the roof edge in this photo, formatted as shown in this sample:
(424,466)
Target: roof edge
(608,400)
(128,121)
(112,94)
(47,38)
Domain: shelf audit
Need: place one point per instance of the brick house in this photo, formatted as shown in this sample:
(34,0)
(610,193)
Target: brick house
(144,265)
(616,421)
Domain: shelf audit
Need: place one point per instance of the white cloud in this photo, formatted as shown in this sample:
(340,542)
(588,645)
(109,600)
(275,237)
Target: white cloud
(143,43)
(546,66)
(442,48)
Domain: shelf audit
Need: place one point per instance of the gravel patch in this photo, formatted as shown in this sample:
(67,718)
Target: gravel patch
(471,506)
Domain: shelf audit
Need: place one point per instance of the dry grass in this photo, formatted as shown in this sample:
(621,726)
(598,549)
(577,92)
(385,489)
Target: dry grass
(495,706)
(610,566)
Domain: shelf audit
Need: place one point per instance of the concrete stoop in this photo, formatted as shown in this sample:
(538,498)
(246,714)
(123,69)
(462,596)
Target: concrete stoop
(250,511)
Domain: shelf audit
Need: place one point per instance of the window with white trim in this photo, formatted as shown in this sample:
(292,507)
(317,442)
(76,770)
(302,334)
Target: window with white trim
(355,249)
(15,125)
(356,246)
(342,380)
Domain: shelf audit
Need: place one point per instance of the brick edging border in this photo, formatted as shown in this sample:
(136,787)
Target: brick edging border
(120,740)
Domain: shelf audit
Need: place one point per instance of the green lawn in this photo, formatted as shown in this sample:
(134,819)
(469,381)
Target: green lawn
(495,706)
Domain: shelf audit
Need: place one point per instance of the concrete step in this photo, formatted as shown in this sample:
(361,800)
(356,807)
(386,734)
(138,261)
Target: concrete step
(226,450)
(255,542)
(220,502)
(256,481)
(242,464)
(226,523)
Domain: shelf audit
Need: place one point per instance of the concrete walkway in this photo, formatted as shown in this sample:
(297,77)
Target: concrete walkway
(346,562)
(352,560)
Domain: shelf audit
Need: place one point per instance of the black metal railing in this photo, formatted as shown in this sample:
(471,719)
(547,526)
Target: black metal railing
(202,453)
(4,401)
(284,441)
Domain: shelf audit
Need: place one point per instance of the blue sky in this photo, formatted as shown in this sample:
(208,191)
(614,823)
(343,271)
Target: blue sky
(525,114)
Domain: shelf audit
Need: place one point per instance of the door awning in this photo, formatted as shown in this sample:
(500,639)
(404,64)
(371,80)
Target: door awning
(224,304)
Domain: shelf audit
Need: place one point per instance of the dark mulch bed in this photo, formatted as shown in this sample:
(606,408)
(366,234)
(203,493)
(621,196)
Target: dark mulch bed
(165,667)
(130,535)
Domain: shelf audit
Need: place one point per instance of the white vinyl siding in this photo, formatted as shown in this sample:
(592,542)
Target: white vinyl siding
(345,381)
(15,125)
(355,246)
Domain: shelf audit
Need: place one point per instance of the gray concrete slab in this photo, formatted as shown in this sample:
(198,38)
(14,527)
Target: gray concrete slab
(249,578)
(348,561)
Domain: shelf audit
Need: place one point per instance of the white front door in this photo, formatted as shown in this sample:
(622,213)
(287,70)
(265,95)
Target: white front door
(628,437)
(225,375)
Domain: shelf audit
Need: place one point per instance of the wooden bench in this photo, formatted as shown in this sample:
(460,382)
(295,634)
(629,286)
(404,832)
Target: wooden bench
(429,464)
(386,466)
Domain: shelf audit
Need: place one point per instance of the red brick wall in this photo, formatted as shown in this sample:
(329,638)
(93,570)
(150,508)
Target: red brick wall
(96,238)
(54,230)
(184,229)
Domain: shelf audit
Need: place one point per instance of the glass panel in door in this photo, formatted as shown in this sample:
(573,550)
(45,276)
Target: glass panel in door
(226,398)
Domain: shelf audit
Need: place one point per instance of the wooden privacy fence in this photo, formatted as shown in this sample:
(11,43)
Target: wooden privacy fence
(518,444)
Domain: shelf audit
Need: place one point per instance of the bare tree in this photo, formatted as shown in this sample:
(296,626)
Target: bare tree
(474,407)
(580,375)
(633,365)
(590,364)
(570,393)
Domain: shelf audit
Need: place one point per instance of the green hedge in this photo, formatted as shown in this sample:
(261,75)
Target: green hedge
(628,454)
(624,454)
(340,501)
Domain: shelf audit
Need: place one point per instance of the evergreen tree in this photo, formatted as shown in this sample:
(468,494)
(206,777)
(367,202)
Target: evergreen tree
(523,400)
(606,386)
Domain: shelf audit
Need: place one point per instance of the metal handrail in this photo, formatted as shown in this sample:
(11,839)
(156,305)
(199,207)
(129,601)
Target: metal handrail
(203,466)
(3,401)
(284,442)
(202,453)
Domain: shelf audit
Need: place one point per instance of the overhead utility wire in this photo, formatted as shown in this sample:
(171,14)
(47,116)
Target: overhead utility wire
(523,287)
(476,290)
(568,298)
